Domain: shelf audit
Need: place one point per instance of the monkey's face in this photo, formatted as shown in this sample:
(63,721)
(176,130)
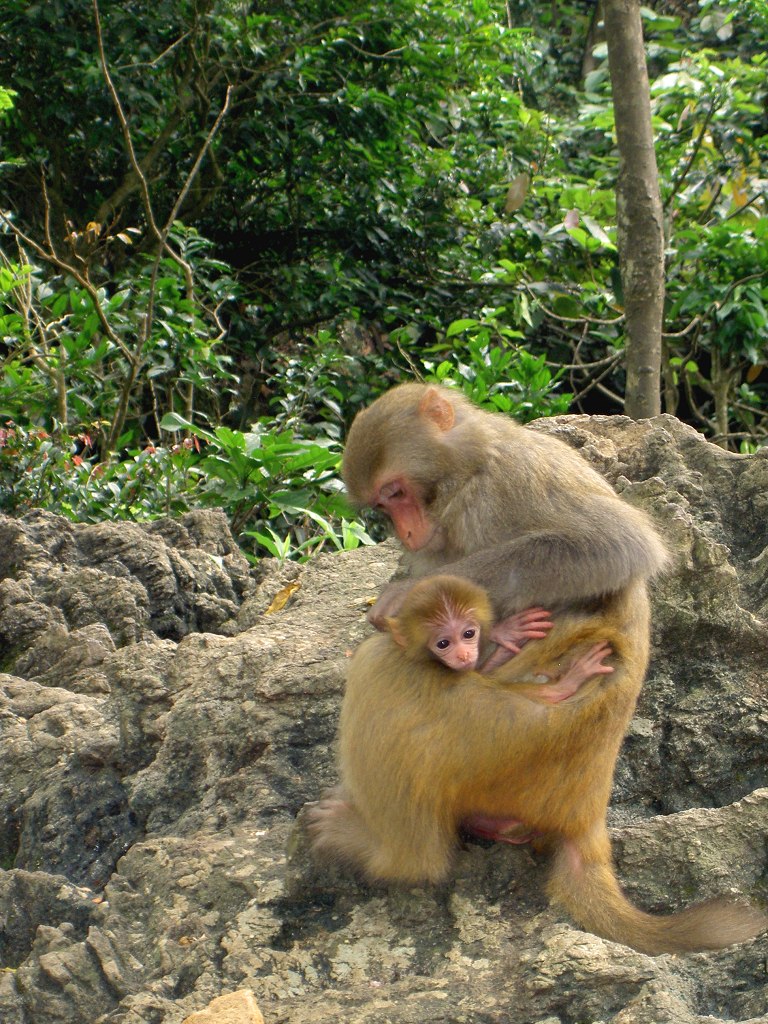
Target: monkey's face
(456,644)
(405,504)
(398,452)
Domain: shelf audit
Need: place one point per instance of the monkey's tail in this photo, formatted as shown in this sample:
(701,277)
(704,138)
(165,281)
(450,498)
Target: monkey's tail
(590,892)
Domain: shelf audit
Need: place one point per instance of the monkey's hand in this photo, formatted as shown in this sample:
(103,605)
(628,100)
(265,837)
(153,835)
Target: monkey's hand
(585,667)
(516,630)
(388,604)
(512,633)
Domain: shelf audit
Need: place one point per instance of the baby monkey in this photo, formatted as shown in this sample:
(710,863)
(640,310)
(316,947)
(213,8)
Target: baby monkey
(445,618)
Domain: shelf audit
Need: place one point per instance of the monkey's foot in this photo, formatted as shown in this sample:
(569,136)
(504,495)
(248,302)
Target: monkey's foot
(335,832)
(326,808)
(585,667)
(501,830)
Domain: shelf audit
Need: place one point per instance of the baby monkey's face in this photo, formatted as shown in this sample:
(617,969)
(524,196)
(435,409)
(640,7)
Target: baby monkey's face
(456,643)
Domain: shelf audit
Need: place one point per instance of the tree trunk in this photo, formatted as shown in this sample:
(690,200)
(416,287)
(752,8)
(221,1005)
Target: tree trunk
(721,390)
(639,210)
(595,35)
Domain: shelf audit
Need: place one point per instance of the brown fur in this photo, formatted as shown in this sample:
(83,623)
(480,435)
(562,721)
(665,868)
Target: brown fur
(520,513)
(432,601)
(422,749)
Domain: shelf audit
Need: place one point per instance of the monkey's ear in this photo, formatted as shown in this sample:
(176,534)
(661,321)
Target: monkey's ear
(435,407)
(393,625)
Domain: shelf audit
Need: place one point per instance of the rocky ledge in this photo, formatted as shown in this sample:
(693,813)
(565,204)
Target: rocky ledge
(166,711)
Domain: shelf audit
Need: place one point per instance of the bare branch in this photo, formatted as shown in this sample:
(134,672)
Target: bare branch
(161,56)
(701,318)
(674,188)
(50,256)
(744,206)
(608,361)
(698,319)
(397,52)
(596,382)
(124,124)
(611,394)
(190,178)
(572,319)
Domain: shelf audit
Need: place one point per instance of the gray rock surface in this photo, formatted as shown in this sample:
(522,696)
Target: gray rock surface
(163,720)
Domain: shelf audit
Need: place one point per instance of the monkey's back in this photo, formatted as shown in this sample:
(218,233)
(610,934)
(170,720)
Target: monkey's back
(562,777)
(423,741)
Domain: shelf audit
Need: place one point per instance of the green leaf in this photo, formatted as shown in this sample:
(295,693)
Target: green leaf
(459,326)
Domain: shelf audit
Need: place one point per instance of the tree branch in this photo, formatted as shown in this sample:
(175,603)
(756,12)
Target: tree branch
(674,188)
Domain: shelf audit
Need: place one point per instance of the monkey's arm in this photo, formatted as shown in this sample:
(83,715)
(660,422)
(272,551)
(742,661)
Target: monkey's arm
(511,635)
(516,630)
(585,667)
(388,604)
(622,624)
(610,544)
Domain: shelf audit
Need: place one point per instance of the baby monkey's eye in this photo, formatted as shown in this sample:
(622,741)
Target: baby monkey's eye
(443,645)
(470,634)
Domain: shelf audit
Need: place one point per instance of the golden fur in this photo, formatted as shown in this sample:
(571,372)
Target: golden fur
(423,748)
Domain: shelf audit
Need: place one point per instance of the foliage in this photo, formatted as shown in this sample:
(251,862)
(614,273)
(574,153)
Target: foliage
(722,292)
(709,99)
(710,114)
(324,199)
(356,135)
(64,118)
(6,99)
(61,364)
(320,382)
(282,494)
(288,486)
(362,170)
(59,473)
(487,362)
(406,164)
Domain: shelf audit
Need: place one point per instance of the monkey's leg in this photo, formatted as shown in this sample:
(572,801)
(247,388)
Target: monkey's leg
(417,850)
(413,843)
(337,831)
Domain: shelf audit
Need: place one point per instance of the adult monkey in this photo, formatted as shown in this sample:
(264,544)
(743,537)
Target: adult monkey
(474,494)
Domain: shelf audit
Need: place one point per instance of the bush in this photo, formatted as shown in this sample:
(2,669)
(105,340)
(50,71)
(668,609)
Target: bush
(282,495)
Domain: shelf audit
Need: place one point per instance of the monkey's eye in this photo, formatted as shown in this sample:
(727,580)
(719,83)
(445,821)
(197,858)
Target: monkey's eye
(443,645)
(391,492)
(469,634)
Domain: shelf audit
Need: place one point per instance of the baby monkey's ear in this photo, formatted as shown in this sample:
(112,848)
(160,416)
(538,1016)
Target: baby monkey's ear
(393,625)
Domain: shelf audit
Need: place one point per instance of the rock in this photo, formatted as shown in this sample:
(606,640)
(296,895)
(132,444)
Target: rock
(167,711)
(233,1008)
